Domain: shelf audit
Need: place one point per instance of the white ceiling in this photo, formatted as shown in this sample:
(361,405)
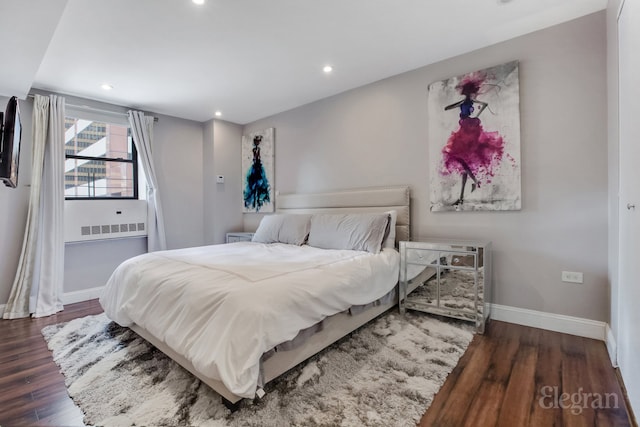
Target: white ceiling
(246,58)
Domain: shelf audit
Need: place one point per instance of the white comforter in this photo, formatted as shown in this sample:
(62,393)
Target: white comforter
(223,306)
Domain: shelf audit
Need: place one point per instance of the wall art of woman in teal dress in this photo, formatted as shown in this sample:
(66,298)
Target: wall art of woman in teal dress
(257,188)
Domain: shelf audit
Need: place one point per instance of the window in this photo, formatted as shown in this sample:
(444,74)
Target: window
(101,161)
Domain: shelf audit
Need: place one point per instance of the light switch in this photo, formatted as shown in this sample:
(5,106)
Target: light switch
(220,179)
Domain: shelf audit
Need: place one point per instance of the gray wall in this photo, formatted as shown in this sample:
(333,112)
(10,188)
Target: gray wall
(178,153)
(222,202)
(89,264)
(14,204)
(377,135)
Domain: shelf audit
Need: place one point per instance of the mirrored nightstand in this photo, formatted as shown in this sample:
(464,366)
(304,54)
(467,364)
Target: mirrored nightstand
(447,277)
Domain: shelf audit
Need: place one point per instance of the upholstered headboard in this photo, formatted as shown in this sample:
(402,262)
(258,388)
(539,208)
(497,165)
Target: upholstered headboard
(372,199)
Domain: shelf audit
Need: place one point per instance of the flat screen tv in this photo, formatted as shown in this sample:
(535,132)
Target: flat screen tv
(10,134)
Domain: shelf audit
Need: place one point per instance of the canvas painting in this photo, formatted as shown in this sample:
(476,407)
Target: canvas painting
(474,141)
(257,170)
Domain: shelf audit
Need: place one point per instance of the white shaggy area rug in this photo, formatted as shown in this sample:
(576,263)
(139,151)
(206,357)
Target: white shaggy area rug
(384,374)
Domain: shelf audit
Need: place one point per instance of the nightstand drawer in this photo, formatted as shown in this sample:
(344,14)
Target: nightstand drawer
(421,257)
(239,237)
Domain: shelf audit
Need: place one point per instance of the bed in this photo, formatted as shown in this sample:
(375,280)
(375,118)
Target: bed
(239,315)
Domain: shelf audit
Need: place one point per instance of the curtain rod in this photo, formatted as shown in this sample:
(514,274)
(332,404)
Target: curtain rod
(89,108)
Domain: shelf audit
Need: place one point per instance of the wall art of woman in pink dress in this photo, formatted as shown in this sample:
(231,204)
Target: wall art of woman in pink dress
(471,151)
(474,141)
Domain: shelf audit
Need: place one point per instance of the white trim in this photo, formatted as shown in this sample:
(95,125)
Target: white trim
(72,297)
(83,295)
(612,347)
(620,6)
(550,321)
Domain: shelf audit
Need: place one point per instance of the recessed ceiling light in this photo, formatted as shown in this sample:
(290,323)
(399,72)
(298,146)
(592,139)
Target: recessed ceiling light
(198,1)
(218,113)
(106,86)
(327,68)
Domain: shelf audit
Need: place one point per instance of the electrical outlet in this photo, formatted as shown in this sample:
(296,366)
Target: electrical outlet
(572,276)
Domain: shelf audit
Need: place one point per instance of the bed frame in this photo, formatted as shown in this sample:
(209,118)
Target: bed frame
(377,199)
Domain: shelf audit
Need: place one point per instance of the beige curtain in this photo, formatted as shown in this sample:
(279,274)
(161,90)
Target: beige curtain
(49,272)
(40,268)
(142,129)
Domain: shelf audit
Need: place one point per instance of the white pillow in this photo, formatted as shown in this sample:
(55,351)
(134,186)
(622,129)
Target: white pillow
(359,232)
(390,240)
(292,229)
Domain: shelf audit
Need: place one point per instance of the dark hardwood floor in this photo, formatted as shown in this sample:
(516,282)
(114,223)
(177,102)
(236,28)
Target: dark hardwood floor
(516,376)
(511,376)
(32,390)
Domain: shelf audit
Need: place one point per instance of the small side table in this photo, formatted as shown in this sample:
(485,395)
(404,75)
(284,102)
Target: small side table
(447,277)
(239,237)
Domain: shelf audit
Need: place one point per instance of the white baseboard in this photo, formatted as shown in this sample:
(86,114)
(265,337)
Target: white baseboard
(83,295)
(612,347)
(72,297)
(550,321)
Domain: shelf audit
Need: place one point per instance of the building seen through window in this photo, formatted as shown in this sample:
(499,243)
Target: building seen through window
(100,160)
